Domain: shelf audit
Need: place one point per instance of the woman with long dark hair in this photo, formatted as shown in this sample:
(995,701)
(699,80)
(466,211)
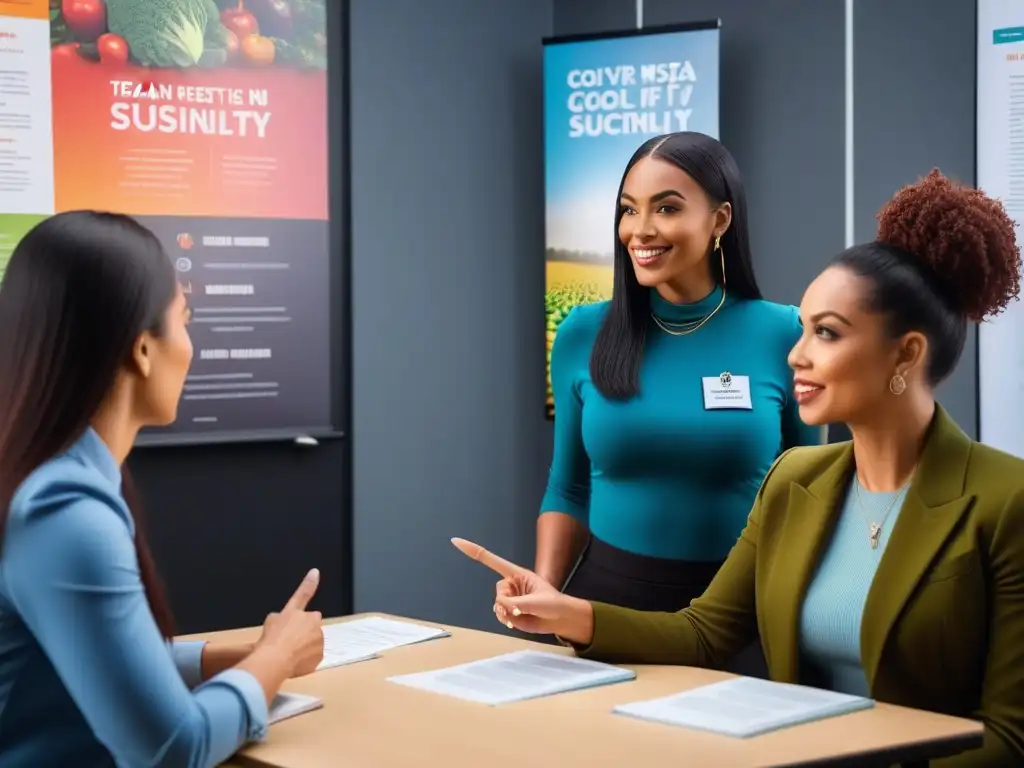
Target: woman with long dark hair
(93,347)
(673,399)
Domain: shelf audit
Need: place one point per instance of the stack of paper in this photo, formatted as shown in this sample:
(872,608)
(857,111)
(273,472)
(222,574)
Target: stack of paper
(515,677)
(287,705)
(745,706)
(360,639)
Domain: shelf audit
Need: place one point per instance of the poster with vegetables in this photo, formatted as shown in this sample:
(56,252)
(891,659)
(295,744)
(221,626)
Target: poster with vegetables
(191,107)
(207,121)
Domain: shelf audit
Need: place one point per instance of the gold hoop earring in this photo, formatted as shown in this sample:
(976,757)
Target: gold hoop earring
(897,385)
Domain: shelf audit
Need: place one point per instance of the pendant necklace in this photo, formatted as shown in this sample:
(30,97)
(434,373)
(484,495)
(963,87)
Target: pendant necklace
(875,528)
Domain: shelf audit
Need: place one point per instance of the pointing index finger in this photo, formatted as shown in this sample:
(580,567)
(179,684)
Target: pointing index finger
(300,599)
(499,565)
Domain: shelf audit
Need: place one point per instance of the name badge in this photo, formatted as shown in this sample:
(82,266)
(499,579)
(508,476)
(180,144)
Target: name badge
(727,391)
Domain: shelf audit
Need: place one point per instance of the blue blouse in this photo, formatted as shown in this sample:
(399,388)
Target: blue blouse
(86,679)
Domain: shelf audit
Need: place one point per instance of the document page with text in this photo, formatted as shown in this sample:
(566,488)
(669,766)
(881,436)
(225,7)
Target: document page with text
(745,707)
(360,639)
(515,677)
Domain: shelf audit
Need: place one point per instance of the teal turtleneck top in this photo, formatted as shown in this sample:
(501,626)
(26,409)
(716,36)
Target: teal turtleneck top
(672,473)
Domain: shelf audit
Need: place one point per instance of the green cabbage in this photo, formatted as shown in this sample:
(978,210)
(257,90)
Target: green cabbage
(163,33)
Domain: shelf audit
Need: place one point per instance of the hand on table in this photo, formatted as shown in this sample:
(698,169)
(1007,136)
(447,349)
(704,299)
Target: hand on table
(297,632)
(525,601)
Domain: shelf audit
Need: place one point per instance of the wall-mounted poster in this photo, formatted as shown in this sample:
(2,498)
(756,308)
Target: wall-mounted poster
(207,121)
(604,96)
(1000,163)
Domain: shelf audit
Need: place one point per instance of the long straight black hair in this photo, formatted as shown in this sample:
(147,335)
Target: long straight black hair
(619,347)
(79,289)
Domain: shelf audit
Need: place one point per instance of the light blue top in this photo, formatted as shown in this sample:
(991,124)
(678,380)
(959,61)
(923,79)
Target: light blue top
(660,474)
(86,679)
(834,604)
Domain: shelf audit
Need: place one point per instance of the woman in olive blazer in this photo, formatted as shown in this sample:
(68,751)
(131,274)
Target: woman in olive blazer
(914,596)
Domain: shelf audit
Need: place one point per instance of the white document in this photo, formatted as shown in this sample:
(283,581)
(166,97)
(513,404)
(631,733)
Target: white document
(341,657)
(745,706)
(515,677)
(376,635)
(287,705)
(26,117)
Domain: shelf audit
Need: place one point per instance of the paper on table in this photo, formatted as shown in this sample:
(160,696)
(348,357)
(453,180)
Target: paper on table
(341,657)
(745,706)
(361,639)
(287,705)
(515,677)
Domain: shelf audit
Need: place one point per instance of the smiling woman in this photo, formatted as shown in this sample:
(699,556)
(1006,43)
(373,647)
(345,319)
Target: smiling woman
(672,399)
(887,322)
(890,566)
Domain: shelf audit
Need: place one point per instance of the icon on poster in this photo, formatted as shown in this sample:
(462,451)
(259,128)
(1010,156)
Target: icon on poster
(185,241)
(183,264)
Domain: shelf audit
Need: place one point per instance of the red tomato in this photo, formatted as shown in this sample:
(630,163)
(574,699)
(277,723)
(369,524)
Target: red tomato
(65,51)
(112,49)
(240,21)
(87,18)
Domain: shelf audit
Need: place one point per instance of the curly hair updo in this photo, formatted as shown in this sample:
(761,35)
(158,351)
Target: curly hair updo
(945,254)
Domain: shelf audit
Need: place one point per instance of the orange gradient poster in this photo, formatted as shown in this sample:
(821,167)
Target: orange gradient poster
(183,107)
(207,121)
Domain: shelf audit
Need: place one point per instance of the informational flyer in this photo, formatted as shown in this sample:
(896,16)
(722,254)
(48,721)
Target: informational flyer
(1000,155)
(26,138)
(207,121)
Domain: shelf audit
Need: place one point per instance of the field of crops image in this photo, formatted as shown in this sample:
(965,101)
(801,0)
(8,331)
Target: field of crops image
(571,282)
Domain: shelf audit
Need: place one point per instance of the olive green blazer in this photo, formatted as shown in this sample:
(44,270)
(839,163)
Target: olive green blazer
(943,627)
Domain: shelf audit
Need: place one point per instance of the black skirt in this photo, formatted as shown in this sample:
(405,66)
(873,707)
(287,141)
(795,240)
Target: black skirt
(607,574)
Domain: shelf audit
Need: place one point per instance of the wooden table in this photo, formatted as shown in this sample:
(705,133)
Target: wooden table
(368,721)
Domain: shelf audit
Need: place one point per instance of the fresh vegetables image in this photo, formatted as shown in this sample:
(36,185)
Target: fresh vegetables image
(163,33)
(190,33)
(258,50)
(64,50)
(297,29)
(240,21)
(86,18)
(112,49)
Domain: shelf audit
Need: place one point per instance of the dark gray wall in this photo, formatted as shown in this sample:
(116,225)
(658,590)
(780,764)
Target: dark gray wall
(914,84)
(448,233)
(234,528)
(579,17)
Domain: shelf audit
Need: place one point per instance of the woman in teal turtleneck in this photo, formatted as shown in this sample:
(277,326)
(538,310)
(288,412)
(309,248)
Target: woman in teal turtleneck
(673,399)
